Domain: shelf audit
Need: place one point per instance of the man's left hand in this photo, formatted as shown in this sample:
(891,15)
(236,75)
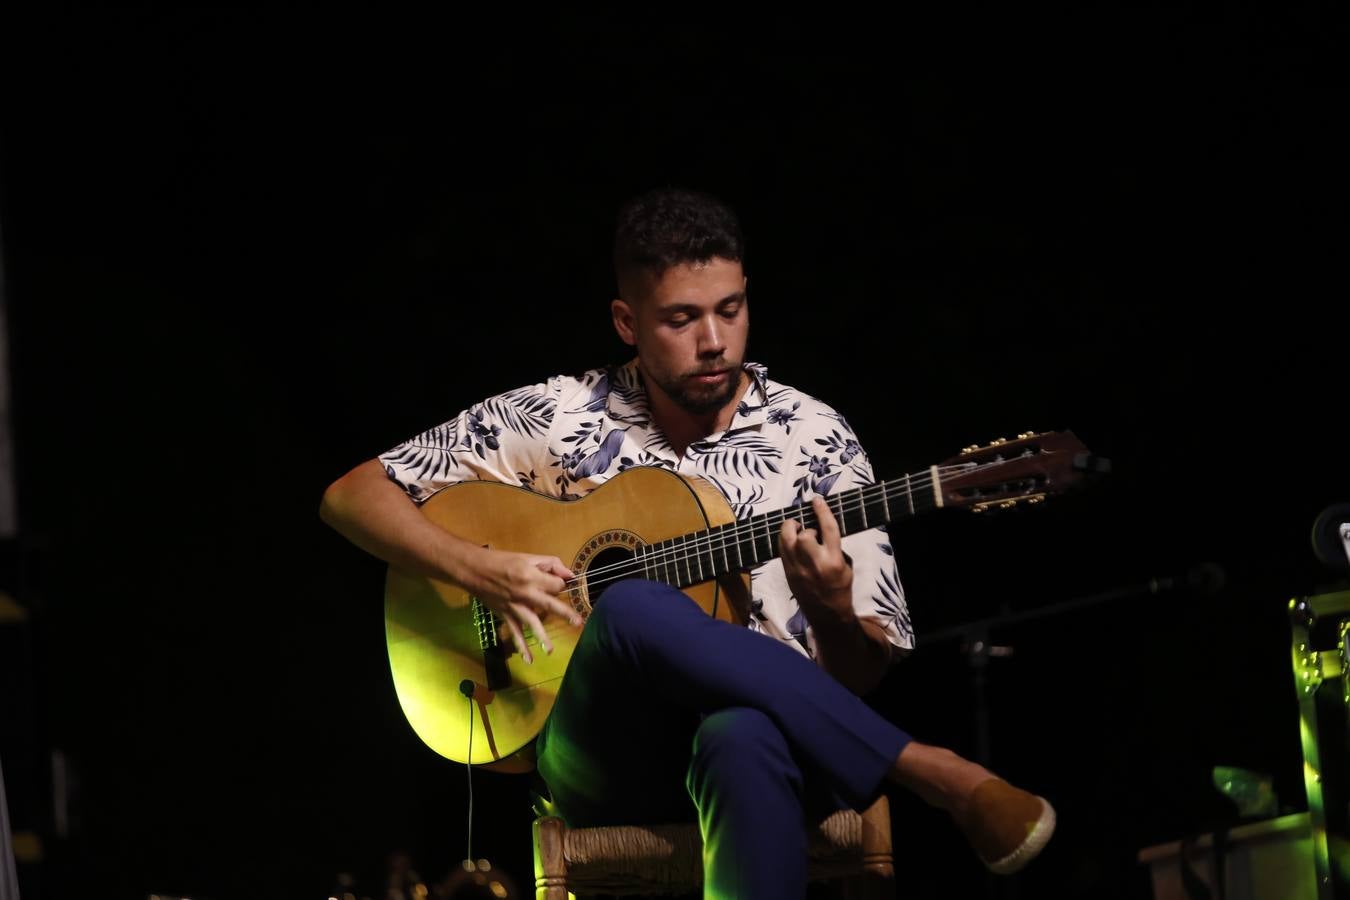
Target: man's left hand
(817,569)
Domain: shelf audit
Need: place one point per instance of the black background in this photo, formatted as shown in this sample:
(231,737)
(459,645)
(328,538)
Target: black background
(246,250)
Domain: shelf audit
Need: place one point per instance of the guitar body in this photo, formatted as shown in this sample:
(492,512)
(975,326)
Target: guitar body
(434,630)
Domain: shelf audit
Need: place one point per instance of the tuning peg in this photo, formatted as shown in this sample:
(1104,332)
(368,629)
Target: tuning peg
(966,451)
(997,441)
(1025,435)
(1007,504)
(1034,500)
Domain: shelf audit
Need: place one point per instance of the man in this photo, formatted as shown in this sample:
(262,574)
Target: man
(665,712)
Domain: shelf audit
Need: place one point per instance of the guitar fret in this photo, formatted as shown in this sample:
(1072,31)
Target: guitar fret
(876,516)
(839,513)
(698,558)
(885,504)
(909,490)
(726,560)
(858,512)
(672,565)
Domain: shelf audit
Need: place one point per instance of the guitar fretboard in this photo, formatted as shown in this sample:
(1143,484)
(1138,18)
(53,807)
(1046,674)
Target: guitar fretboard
(703,555)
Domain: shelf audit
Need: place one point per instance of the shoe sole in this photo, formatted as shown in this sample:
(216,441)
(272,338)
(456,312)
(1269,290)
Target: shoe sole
(1029,848)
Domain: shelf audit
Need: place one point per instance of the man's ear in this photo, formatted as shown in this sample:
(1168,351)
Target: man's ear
(624,321)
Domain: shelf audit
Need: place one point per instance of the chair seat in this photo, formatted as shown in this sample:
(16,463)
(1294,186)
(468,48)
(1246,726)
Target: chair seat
(668,859)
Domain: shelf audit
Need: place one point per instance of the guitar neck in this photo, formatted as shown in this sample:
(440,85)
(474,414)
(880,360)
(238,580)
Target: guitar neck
(703,555)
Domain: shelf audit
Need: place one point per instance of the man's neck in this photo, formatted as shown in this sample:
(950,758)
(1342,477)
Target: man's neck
(682,427)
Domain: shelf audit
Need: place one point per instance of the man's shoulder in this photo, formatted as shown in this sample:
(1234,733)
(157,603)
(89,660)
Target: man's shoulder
(787,404)
(564,385)
(564,397)
(587,389)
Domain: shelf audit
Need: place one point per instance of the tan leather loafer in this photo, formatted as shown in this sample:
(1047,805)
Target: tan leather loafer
(1007,826)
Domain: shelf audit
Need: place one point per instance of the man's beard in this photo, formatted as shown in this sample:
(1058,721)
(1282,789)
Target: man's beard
(699,402)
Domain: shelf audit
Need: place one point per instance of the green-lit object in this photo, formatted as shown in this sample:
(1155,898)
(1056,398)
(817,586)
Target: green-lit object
(1318,629)
(1252,792)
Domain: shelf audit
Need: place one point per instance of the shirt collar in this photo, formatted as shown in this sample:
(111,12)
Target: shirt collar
(627,399)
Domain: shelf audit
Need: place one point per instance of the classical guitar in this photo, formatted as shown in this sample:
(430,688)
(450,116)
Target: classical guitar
(455,668)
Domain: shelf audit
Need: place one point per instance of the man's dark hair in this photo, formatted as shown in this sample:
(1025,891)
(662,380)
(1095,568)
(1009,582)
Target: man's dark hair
(669,227)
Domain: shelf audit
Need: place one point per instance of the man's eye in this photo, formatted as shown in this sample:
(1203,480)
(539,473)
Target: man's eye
(679,321)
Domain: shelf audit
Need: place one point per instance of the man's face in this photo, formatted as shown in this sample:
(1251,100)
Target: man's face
(689,327)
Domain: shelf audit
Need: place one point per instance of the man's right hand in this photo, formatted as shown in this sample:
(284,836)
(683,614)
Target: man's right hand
(522,589)
(375,514)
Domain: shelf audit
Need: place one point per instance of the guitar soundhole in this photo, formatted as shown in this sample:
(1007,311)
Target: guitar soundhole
(604,559)
(609,566)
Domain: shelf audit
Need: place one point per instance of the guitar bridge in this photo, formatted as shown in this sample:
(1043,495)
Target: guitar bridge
(485,621)
(494,654)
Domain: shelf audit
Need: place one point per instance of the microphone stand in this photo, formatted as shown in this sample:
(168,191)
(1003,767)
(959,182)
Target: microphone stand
(1206,578)
(974,636)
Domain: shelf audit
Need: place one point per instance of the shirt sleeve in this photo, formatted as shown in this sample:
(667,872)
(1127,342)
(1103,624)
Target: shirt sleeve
(502,439)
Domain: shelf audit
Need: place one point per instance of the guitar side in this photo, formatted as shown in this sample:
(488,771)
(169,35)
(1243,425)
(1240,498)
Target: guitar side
(435,644)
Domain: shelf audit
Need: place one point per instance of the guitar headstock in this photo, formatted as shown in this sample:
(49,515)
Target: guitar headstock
(1026,469)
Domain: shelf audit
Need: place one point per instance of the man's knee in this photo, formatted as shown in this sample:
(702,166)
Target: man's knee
(735,740)
(632,603)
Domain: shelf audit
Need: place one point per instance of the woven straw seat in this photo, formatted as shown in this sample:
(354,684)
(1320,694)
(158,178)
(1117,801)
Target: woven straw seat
(668,859)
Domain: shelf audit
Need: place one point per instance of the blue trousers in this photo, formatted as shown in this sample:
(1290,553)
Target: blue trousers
(667,715)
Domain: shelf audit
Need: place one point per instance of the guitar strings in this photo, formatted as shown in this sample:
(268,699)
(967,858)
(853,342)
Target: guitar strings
(804,514)
(865,495)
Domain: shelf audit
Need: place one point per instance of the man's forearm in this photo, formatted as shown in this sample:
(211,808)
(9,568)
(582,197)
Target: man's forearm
(373,513)
(855,651)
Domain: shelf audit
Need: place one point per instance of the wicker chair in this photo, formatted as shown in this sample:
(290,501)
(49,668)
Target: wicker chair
(668,859)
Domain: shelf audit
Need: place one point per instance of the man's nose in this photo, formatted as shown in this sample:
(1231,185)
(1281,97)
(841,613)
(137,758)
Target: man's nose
(711,341)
